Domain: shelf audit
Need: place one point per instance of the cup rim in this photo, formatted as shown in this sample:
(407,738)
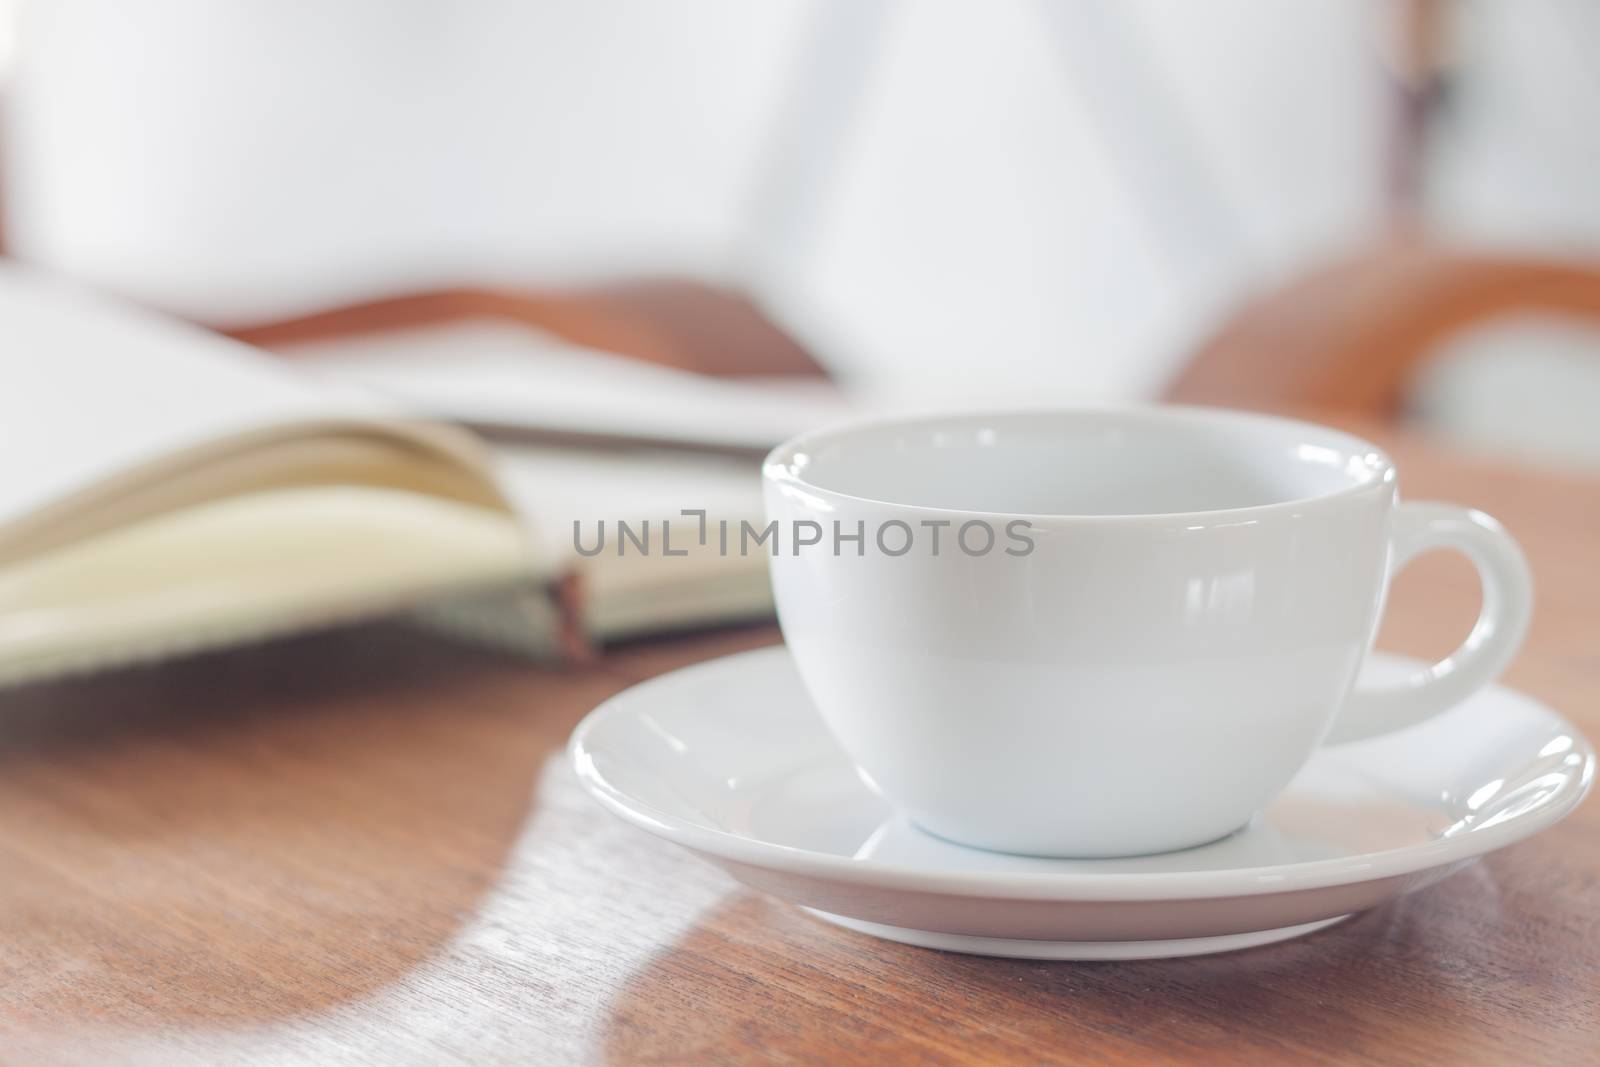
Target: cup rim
(778,469)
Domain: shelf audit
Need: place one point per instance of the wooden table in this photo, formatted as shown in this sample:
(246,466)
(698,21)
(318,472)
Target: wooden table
(366,848)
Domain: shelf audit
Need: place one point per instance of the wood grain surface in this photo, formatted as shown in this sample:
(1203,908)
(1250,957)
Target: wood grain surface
(365,848)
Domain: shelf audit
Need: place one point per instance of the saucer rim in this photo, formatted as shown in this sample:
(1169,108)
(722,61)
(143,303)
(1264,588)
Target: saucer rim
(1027,948)
(1061,886)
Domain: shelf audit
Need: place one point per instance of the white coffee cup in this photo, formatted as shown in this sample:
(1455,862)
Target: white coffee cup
(1166,617)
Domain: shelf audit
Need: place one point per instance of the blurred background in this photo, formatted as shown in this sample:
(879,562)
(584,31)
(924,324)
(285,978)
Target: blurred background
(633,244)
(1387,206)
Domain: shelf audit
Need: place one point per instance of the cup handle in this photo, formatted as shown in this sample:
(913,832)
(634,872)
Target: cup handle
(1495,638)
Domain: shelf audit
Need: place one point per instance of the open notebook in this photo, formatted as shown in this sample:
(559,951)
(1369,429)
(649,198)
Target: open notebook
(163,489)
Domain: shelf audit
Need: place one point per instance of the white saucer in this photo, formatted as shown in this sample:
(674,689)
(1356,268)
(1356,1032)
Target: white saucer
(729,760)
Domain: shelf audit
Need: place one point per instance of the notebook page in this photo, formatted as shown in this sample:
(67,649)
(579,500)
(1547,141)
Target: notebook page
(90,387)
(508,376)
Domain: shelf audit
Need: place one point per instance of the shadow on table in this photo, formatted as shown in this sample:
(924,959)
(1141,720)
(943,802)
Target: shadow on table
(1437,971)
(258,834)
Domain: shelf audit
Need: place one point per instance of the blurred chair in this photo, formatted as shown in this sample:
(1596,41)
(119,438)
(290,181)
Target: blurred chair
(1352,336)
(675,322)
